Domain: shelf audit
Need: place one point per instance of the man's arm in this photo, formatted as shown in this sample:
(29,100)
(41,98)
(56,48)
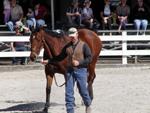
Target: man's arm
(57,58)
(87,56)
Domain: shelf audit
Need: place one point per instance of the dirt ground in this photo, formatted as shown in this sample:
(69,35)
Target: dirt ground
(116,90)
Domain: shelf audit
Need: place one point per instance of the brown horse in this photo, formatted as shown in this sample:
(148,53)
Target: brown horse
(53,43)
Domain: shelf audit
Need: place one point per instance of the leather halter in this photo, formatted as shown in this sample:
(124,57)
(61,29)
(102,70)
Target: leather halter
(46,47)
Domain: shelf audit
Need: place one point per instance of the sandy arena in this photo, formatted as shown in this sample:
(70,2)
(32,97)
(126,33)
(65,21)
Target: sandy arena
(116,90)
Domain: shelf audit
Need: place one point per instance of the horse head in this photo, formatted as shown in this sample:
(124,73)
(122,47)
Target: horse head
(47,39)
(36,40)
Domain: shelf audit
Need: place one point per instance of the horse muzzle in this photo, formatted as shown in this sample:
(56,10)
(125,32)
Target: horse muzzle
(33,56)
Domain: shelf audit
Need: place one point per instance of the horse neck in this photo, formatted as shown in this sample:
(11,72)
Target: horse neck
(54,45)
(47,47)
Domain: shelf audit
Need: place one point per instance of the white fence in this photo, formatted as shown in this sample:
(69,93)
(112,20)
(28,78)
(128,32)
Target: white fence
(123,39)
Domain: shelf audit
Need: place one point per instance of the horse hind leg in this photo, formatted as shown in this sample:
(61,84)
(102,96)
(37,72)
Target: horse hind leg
(91,78)
(90,89)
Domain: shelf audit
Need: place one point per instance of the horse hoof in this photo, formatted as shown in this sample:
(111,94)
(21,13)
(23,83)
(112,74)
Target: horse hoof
(45,110)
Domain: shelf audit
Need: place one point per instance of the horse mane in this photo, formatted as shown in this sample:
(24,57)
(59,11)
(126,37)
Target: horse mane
(55,33)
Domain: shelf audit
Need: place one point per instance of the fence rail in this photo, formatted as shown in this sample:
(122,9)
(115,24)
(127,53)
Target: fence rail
(123,39)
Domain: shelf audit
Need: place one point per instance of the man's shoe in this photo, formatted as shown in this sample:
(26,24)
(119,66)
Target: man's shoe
(88,109)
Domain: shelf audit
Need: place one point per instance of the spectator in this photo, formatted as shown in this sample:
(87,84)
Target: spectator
(18,46)
(6,12)
(16,15)
(73,14)
(123,12)
(87,14)
(31,22)
(40,13)
(140,17)
(106,16)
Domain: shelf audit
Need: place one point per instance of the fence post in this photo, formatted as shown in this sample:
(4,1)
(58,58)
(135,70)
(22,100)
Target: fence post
(124,47)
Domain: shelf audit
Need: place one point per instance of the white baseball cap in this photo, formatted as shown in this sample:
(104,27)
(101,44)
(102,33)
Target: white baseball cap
(72,32)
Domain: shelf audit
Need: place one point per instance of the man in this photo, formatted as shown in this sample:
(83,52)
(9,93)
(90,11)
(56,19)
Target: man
(16,15)
(79,56)
(74,14)
(123,11)
(87,14)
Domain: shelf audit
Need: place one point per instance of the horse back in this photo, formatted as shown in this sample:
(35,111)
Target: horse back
(93,41)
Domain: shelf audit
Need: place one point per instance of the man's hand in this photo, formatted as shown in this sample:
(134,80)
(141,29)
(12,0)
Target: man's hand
(75,62)
(44,62)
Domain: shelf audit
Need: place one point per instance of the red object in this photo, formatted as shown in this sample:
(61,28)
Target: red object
(41,12)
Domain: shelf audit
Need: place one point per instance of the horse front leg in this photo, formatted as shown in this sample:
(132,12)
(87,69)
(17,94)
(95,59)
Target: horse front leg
(49,79)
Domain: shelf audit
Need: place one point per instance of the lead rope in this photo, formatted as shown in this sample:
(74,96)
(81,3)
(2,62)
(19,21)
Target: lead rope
(57,82)
(67,77)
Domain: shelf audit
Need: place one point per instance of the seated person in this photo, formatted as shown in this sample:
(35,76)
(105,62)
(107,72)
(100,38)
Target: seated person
(106,16)
(140,17)
(73,14)
(31,22)
(87,14)
(16,15)
(123,12)
(40,13)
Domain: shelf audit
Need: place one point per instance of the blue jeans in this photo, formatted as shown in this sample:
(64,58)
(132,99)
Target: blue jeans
(40,22)
(10,25)
(141,23)
(31,23)
(79,76)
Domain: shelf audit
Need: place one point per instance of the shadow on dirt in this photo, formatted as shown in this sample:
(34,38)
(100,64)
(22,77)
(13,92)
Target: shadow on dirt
(35,107)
